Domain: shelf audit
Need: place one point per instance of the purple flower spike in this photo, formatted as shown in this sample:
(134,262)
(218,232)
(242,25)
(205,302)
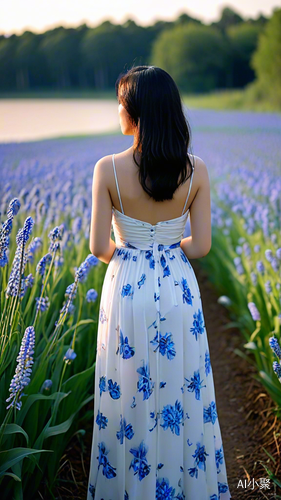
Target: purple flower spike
(254,311)
(273,342)
(23,369)
(277,369)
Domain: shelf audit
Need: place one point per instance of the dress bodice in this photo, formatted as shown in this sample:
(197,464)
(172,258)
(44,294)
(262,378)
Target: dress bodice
(130,232)
(134,233)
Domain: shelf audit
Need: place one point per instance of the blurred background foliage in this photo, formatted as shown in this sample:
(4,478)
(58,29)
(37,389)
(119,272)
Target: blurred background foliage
(232,53)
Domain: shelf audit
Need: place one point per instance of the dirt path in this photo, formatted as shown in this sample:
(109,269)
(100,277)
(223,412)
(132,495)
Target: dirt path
(244,410)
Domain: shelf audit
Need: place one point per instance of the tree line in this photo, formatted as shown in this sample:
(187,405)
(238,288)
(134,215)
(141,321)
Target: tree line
(199,57)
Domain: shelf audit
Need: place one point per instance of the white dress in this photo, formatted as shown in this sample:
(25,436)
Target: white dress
(156,431)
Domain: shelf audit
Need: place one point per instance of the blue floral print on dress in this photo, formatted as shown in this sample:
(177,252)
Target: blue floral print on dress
(165,344)
(108,469)
(126,351)
(126,430)
(207,363)
(219,458)
(101,420)
(173,417)
(142,280)
(199,455)
(186,297)
(195,384)
(210,413)
(114,389)
(145,383)
(198,324)
(102,384)
(127,291)
(139,462)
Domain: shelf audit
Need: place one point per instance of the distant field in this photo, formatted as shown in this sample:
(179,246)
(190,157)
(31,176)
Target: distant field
(220,99)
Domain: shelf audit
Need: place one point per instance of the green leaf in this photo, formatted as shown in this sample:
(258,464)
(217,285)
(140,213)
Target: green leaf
(14,476)
(13,428)
(10,457)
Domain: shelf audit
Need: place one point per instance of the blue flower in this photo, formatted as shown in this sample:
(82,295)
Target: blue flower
(108,469)
(23,369)
(198,326)
(139,462)
(101,420)
(222,487)
(102,384)
(126,350)
(163,490)
(70,355)
(91,295)
(207,363)
(126,290)
(92,490)
(186,297)
(125,430)
(165,344)
(195,384)
(219,458)
(210,413)
(172,416)
(114,389)
(142,280)
(149,256)
(144,383)
(200,456)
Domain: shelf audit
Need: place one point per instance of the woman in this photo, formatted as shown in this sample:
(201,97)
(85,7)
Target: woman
(156,430)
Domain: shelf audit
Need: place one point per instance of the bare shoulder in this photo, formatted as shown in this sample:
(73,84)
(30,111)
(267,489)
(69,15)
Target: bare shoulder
(103,166)
(201,174)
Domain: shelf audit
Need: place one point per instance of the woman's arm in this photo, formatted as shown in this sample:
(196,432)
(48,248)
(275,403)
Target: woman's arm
(199,243)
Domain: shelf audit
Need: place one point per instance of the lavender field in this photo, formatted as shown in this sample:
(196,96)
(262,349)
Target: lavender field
(51,313)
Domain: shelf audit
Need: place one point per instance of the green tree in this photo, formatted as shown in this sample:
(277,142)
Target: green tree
(194,55)
(243,40)
(266,61)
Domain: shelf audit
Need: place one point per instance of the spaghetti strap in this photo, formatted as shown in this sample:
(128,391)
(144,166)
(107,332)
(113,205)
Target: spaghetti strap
(191,179)
(117,184)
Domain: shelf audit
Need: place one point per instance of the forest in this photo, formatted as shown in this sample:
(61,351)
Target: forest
(200,57)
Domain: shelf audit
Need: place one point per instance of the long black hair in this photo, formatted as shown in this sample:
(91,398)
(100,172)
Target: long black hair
(152,100)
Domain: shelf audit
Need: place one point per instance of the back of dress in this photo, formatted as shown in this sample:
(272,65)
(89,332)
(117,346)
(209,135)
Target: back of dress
(156,430)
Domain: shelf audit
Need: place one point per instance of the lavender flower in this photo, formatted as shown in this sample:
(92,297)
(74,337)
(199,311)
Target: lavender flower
(260,267)
(254,278)
(274,264)
(43,303)
(71,289)
(23,369)
(268,255)
(69,355)
(55,237)
(268,287)
(5,232)
(41,266)
(257,248)
(32,247)
(254,311)
(278,253)
(273,342)
(91,295)
(47,384)
(15,281)
(277,369)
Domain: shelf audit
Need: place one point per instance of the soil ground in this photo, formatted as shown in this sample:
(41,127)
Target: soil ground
(246,415)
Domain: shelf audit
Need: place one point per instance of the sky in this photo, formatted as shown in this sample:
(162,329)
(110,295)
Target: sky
(17,16)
